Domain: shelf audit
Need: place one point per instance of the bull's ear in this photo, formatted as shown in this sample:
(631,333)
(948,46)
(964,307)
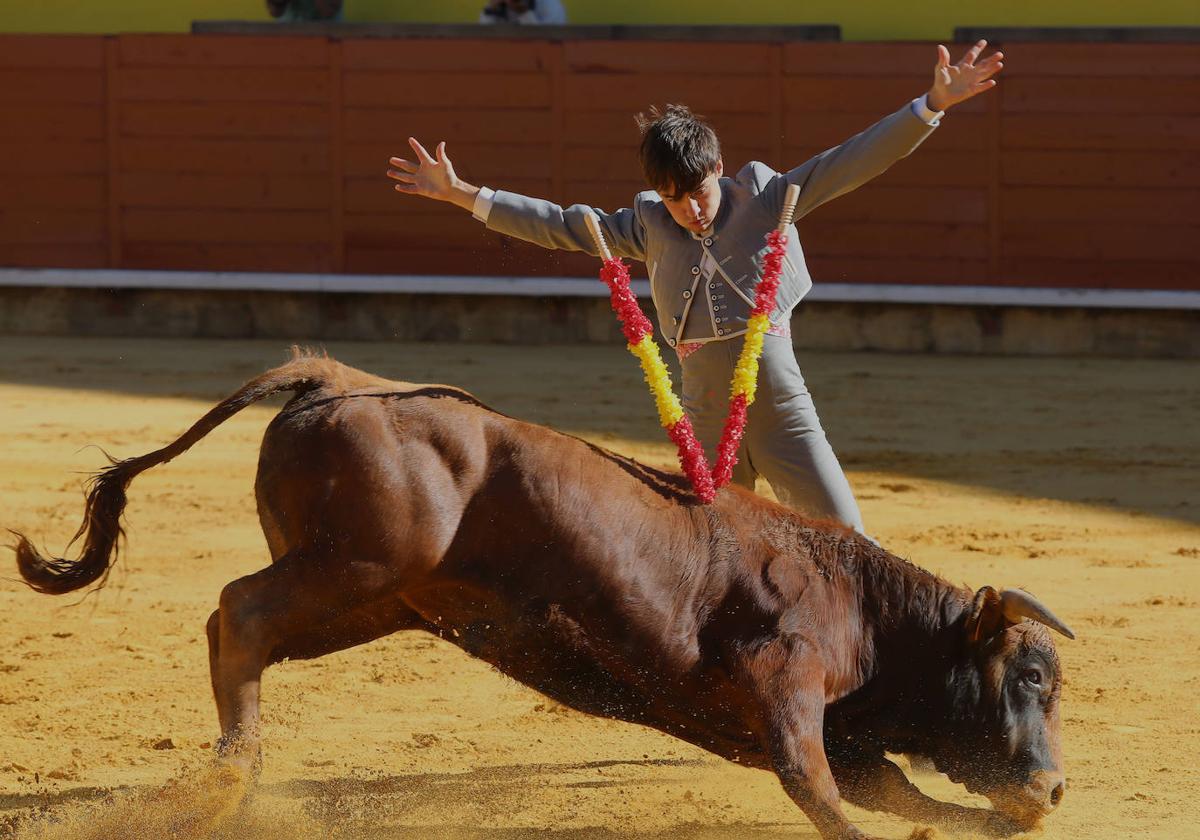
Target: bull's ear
(986,618)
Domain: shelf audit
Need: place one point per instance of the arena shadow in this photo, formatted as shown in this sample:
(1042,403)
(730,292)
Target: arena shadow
(365,806)
(389,807)
(1116,433)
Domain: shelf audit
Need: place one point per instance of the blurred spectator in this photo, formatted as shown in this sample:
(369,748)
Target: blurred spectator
(523,11)
(296,10)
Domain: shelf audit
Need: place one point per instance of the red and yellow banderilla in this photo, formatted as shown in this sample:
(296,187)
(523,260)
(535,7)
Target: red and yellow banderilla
(639,334)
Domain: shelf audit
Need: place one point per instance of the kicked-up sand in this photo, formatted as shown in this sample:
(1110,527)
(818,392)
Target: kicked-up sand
(1078,479)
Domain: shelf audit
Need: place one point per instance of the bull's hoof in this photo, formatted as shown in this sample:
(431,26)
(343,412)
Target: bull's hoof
(240,756)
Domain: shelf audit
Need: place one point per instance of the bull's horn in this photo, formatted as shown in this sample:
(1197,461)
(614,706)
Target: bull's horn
(1018,604)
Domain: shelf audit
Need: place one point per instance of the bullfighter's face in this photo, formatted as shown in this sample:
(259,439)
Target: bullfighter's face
(696,211)
(1009,746)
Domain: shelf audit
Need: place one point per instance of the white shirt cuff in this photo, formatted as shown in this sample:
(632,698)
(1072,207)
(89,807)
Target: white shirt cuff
(920,107)
(483,204)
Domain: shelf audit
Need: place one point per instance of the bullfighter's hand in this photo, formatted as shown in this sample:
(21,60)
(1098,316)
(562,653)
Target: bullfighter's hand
(954,83)
(430,176)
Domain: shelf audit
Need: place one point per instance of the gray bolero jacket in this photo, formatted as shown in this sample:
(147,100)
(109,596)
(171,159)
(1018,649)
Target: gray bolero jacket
(703,285)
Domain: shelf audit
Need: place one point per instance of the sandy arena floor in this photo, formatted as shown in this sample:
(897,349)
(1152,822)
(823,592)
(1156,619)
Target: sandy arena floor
(1078,479)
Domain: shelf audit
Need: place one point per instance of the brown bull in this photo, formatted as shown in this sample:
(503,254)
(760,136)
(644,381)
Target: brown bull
(741,627)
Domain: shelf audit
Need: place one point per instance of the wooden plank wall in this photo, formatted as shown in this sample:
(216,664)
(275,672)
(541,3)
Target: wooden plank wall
(1100,166)
(243,153)
(224,157)
(53,152)
(492,102)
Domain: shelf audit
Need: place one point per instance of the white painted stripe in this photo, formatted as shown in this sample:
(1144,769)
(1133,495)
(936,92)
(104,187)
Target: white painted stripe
(353,283)
(583,287)
(1004,296)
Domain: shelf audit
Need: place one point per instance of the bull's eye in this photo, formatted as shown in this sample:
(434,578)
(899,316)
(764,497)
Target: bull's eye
(1032,676)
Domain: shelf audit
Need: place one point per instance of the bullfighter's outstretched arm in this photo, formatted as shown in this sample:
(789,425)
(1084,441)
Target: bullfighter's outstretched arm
(869,153)
(534,220)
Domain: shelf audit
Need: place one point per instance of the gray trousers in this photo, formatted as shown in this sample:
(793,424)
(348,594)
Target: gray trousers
(784,441)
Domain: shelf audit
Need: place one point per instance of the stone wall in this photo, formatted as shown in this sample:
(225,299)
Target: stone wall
(303,316)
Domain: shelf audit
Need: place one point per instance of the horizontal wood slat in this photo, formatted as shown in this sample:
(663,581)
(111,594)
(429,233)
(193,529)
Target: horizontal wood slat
(222,119)
(1131,96)
(52,156)
(224,256)
(455,126)
(1096,241)
(1099,61)
(1167,170)
(886,239)
(46,85)
(192,84)
(1098,274)
(301,158)
(46,225)
(446,90)
(919,270)
(287,191)
(73,192)
(420,56)
(1068,204)
(56,255)
(299,227)
(45,121)
(814,58)
(878,203)
(617,58)
(1178,132)
(52,51)
(208,51)
(631,94)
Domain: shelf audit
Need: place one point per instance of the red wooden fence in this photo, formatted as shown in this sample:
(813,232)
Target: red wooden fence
(248,153)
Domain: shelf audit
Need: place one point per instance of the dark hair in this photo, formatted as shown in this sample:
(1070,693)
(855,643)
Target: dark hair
(679,149)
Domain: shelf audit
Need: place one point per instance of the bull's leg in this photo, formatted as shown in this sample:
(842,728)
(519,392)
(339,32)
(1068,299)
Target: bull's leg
(874,783)
(788,680)
(357,627)
(281,611)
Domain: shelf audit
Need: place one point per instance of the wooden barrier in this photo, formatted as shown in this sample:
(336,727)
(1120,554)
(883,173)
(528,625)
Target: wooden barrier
(267,153)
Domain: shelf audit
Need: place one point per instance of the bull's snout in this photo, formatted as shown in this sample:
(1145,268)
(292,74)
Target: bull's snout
(1057,792)
(1047,790)
(1028,804)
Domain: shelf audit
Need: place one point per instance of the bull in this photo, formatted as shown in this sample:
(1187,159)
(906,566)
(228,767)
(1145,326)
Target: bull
(741,627)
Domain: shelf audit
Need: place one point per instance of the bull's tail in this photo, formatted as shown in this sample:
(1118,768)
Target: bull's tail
(101,529)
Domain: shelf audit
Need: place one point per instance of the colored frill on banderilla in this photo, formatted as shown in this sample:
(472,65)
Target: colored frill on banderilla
(639,333)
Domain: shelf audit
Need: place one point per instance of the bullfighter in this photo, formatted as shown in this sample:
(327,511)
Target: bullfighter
(701,236)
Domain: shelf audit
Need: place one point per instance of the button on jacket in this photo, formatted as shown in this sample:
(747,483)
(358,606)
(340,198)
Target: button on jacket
(703,286)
